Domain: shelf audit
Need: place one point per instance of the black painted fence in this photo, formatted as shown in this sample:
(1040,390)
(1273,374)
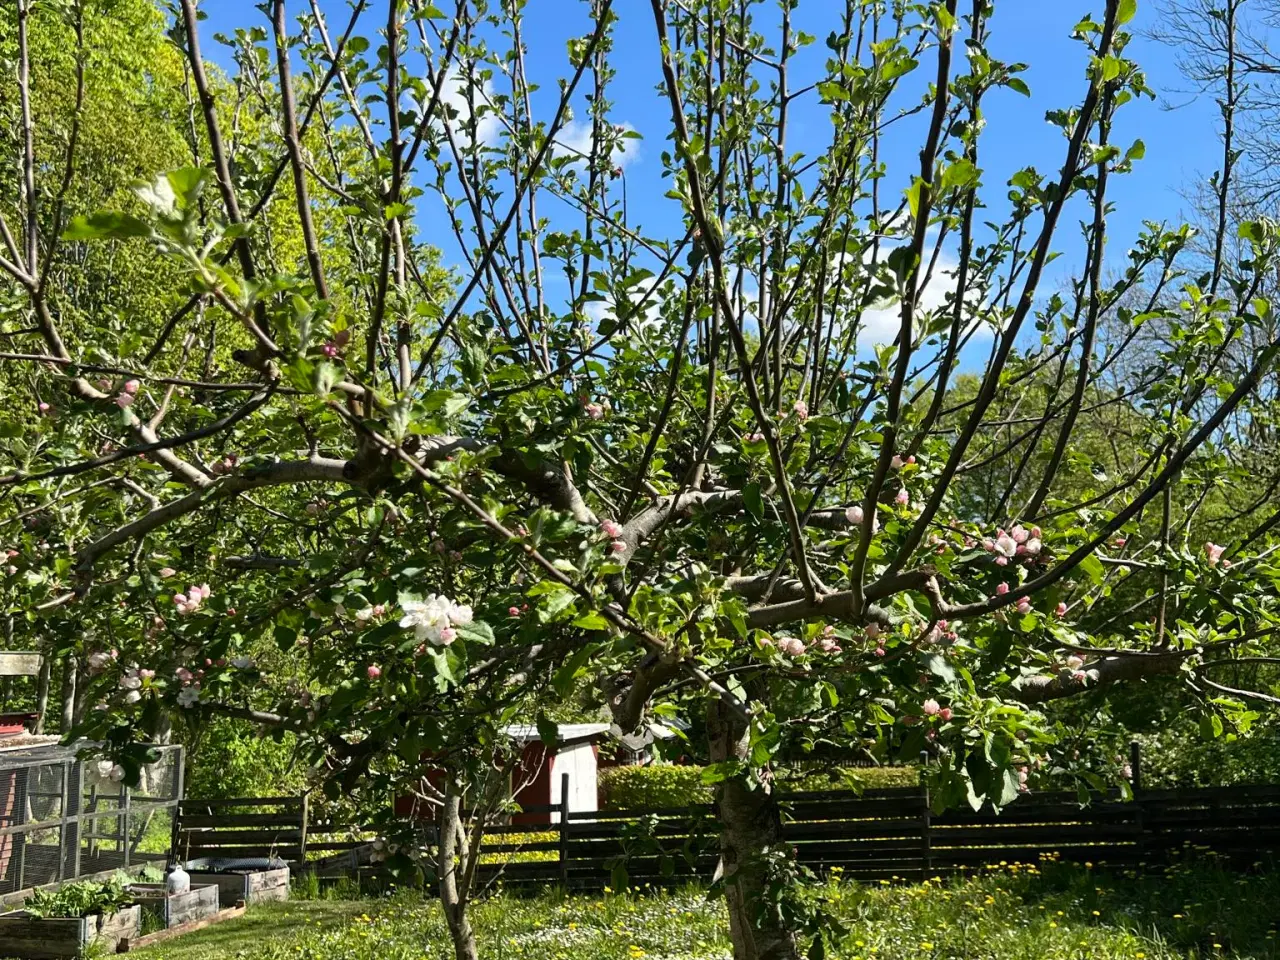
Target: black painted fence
(880,835)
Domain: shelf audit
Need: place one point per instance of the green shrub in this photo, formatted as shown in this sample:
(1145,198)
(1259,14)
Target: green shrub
(632,788)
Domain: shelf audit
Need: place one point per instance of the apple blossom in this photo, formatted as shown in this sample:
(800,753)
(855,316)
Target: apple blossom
(1002,589)
(802,410)
(167,572)
(903,498)
(131,387)
(1214,552)
(791,646)
(429,618)
(944,714)
(1061,608)
(611,529)
(594,410)
(931,708)
(1024,605)
(448,635)
(374,671)
(897,462)
(188,696)
(618,546)
(124,400)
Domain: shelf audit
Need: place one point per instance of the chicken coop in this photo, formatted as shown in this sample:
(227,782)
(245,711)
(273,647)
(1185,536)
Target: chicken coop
(63,818)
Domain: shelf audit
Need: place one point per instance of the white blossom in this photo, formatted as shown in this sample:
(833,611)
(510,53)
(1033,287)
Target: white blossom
(432,618)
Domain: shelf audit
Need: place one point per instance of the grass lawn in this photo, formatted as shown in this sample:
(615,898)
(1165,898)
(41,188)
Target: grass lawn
(1050,912)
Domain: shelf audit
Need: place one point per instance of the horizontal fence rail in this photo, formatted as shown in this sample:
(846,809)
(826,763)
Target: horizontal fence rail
(876,835)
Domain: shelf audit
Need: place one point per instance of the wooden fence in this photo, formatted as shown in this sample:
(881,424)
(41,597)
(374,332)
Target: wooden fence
(878,835)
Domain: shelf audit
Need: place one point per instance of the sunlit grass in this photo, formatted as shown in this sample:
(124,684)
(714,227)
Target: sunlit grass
(1013,912)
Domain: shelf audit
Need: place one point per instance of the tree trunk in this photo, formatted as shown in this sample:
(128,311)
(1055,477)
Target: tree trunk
(68,694)
(750,830)
(42,694)
(452,868)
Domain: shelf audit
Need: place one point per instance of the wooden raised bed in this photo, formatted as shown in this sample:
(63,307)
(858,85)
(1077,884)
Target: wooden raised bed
(252,886)
(199,902)
(36,938)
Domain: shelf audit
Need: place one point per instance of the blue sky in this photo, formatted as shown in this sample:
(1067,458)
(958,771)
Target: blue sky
(1182,147)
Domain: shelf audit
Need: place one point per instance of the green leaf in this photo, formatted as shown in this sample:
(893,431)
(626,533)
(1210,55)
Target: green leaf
(960,175)
(1126,11)
(591,621)
(572,668)
(106,226)
(752,500)
(547,730)
(936,664)
(475,632)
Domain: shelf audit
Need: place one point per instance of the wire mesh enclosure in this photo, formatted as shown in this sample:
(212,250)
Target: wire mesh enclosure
(61,820)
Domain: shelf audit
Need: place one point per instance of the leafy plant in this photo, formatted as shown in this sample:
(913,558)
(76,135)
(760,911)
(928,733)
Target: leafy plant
(80,898)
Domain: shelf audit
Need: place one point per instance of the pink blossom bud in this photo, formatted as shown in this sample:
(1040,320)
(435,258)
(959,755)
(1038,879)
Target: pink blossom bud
(903,498)
(944,714)
(594,410)
(611,529)
(1061,609)
(931,708)
(131,387)
(43,407)
(801,409)
(911,459)
(514,611)
(329,350)
(373,671)
(1024,605)
(1002,589)
(167,572)
(104,384)
(124,400)
(379,609)
(879,651)
(854,515)
(618,546)
(896,462)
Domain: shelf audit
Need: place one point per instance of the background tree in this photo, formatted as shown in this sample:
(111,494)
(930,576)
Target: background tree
(697,481)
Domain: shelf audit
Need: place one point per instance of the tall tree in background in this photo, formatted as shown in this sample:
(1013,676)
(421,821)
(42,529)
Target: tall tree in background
(704,479)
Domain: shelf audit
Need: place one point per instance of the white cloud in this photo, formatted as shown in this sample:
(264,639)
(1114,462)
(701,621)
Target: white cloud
(597,310)
(576,140)
(454,97)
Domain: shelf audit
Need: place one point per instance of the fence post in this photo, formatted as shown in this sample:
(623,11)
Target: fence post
(926,822)
(1135,765)
(564,830)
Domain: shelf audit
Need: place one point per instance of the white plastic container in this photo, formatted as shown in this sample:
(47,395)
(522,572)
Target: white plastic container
(178,880)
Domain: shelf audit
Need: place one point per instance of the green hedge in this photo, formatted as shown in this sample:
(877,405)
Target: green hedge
(630,788)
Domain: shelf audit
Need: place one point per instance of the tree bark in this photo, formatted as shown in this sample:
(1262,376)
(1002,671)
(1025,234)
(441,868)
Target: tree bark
(452,868)
(750,830)
(68,694)
(42,694)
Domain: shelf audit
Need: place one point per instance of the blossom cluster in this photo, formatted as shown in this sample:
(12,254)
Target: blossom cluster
(1017,542)
(433,619)
(190,601)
